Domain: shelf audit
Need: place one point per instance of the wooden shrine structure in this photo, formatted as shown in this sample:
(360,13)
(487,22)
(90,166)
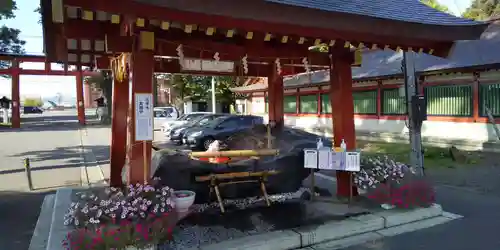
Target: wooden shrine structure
(267,38)
(14,70)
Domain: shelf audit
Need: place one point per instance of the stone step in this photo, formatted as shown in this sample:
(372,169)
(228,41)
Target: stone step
(58,230)
(42,228)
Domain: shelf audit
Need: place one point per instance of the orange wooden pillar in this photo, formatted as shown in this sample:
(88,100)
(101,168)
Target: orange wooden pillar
(80,107)
(16,100)
(142,68)
(342,113)
(119,113)
(87,95)
(275,97)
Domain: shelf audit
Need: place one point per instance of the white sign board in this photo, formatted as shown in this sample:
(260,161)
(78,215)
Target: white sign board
(310,158)
(337,159)
(324,158)
(143,117)
(352,161)
(190,64)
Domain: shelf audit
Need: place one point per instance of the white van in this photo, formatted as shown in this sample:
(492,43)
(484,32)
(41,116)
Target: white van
(164,114)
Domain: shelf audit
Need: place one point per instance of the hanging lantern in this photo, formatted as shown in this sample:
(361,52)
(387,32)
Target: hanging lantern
(244,61)
(278,66)
(180,54)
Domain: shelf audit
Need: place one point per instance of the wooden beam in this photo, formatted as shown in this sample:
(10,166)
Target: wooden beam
(324,32)
(196,44)
(173,67)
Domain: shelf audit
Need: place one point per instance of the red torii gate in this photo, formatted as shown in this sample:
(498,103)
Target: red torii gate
(14,70)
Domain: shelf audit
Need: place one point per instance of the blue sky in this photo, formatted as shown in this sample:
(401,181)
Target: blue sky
(27,21)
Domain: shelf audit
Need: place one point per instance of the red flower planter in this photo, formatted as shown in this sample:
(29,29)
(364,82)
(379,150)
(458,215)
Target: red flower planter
(411,194)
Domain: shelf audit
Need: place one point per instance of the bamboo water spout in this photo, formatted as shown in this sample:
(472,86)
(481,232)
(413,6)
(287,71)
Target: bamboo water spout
(236,153)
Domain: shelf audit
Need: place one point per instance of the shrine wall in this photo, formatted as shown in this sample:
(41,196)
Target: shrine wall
(455,107)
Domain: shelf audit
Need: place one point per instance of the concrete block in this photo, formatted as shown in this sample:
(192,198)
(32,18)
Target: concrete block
(397,217)
(348,241)
(339,229)
(42,228)
(413,226)
(277,240)
(58,230)
(451,215)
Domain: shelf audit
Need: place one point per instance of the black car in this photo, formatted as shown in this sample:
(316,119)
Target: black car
(177,132)
(219,129)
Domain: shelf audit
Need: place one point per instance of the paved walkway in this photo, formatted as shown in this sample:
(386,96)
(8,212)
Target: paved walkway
(52,142)
(472,191)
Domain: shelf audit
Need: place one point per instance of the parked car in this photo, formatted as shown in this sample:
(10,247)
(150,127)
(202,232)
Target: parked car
(176,133)
(162,114)
(219,129)
(183,119)
(32,110)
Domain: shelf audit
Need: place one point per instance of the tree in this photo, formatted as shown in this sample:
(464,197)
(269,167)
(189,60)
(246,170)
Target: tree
(223,87)
(33,102)
(198,88)
(434,4)
(9,37)
(192,86)
(482,10)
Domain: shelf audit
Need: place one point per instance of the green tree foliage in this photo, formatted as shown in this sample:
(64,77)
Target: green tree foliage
(33,102)
(436,5)
(9,37)
(198,88)
(483,10)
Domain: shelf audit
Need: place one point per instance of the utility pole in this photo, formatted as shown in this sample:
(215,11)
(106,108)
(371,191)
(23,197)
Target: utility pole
(214,103)
(414,109)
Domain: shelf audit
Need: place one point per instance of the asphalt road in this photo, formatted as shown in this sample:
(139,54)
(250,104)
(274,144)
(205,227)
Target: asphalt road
(52,143)
(477,230)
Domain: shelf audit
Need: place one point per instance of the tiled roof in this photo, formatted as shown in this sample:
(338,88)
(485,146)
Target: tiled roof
(400,10)
(381,64)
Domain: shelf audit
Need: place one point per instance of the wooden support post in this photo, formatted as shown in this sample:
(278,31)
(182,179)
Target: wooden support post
(87,95)
(119,116)
(16,100)
(343,114)
(475,98)
(142,82)
(275,98)
(79,97)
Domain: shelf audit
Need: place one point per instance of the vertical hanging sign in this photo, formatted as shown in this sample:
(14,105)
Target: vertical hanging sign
(143,116)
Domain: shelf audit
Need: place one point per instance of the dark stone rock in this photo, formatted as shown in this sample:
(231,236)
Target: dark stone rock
(457,155)
(178,171)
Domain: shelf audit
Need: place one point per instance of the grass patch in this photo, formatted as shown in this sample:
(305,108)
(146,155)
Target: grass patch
(434,157)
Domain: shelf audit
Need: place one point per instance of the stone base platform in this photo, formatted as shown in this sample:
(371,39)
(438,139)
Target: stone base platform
(290,224)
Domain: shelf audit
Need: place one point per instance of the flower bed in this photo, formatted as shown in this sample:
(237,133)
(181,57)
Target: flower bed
(139,216)
(389,182)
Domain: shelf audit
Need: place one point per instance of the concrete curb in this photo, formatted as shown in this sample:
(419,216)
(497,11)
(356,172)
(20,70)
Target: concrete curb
(277,240)
(42,228)
(90,175)
(341,234)
(328,236)
(58,230)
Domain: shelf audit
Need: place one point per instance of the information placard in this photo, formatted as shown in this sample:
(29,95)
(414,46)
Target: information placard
(352,161)
(336,160)
(324,155)
(143,117)
(310,158)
